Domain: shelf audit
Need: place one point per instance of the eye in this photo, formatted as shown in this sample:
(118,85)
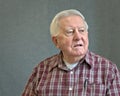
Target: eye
(69,32)
(81,30)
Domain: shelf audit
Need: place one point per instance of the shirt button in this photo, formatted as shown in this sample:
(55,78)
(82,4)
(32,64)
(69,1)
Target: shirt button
(71,72)
(70,88)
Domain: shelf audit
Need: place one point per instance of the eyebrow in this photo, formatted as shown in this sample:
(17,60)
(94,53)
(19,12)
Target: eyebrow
(73,28)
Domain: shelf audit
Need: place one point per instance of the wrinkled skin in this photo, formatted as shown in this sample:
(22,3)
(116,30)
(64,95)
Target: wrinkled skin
(72,39)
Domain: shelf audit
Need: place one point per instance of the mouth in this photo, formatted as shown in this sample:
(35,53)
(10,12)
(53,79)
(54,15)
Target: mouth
(78,45)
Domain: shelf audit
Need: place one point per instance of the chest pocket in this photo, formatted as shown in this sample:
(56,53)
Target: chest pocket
(95,89)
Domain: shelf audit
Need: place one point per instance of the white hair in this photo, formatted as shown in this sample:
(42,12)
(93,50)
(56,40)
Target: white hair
(55,22)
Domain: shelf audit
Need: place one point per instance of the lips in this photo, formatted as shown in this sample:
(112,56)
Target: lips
(78,45)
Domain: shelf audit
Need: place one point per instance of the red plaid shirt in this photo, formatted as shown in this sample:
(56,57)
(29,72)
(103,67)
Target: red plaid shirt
(94,76)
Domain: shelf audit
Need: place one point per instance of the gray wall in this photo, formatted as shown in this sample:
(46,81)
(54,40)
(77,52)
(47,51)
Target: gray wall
(25,39)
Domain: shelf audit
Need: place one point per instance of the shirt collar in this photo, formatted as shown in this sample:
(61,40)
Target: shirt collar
(89,58)
(57,61)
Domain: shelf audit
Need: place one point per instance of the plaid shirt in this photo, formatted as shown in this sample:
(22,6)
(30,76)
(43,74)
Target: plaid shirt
(93,76)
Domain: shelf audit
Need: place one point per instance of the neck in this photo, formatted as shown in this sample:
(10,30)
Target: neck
(71,59)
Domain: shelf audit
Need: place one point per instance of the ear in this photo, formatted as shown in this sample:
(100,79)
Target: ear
(55,41)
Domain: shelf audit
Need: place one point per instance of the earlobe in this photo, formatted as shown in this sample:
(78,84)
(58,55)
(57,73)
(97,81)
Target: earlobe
(55,41)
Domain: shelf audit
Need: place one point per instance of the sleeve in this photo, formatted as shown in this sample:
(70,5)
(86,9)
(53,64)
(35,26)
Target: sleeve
(114,87)
(30,88)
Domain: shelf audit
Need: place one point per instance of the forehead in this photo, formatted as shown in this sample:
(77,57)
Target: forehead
(72,21)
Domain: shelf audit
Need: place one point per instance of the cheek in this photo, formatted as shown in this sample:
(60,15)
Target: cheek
(85,39)
(86,44)
(64,43)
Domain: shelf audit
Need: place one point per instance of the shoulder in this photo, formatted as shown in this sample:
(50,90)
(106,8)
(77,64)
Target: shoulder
(97,61)
(47,63)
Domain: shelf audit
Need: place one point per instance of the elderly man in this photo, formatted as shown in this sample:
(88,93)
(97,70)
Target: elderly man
(75,71)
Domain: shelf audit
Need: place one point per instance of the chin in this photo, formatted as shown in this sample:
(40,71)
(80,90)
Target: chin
(80,53)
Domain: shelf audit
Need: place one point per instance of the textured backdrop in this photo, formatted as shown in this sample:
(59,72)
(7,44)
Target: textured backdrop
(25,38)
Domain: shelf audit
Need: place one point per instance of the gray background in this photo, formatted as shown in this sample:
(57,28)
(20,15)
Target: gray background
(25,38)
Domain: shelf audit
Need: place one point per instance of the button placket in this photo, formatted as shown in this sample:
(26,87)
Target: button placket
(71,81)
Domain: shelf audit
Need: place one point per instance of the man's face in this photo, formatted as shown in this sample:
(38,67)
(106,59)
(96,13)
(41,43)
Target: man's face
(72,39)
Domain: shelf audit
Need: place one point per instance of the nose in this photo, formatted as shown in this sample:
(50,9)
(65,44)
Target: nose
(77,35)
